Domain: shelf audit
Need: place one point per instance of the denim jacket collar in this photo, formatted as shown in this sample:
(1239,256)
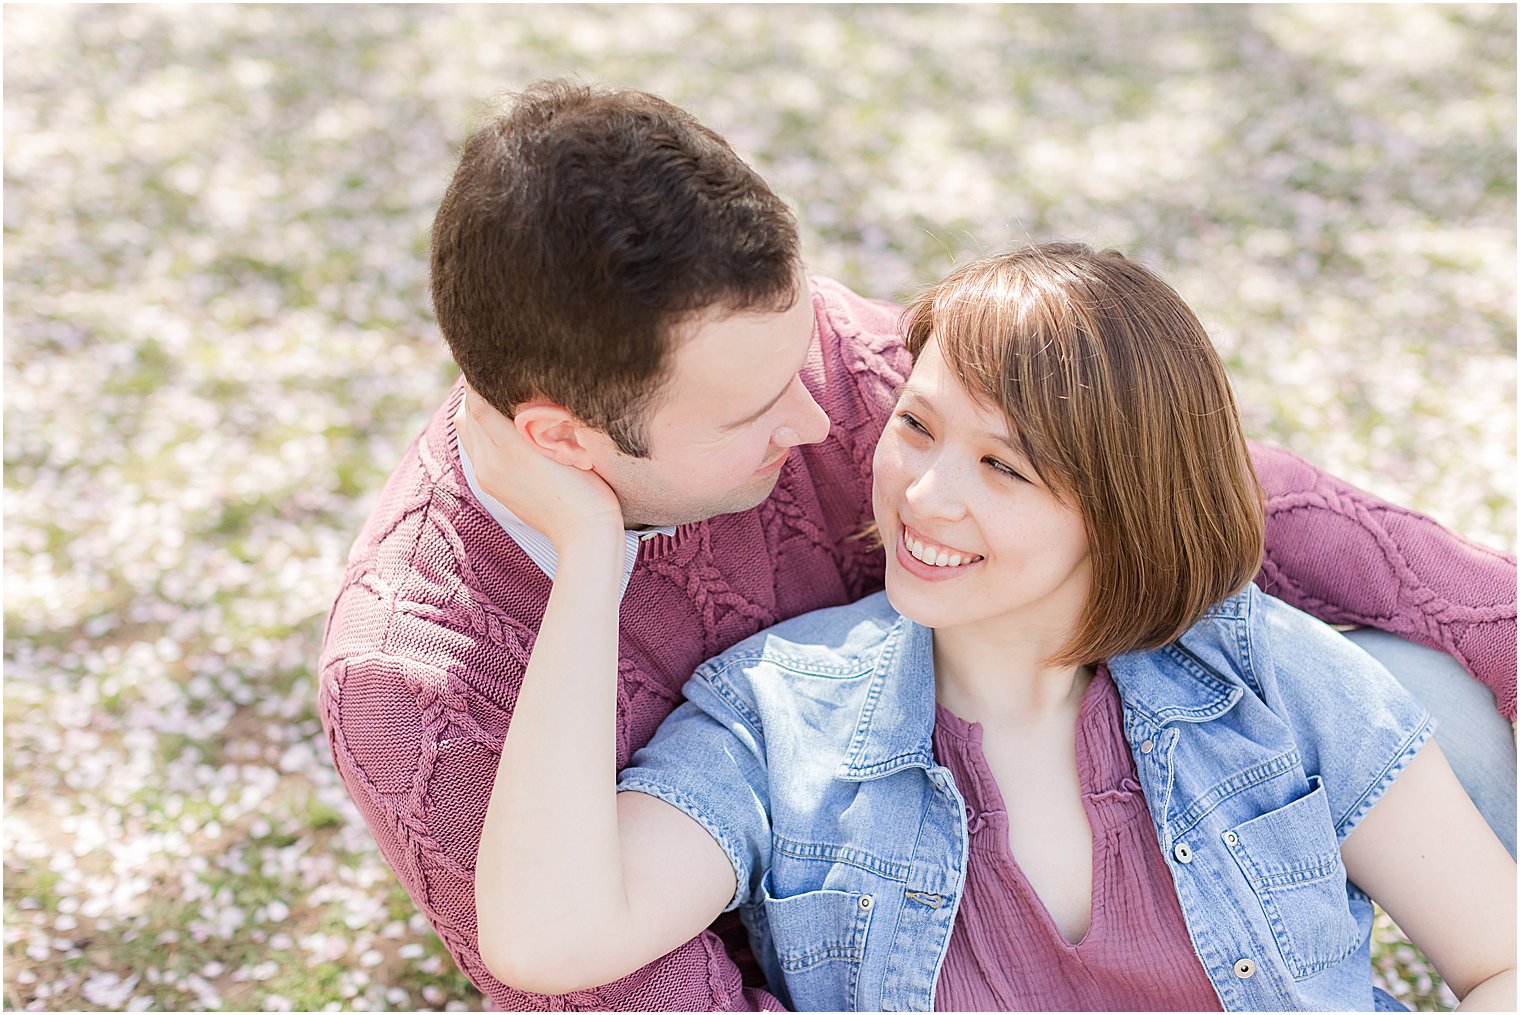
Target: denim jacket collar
(1162,697)
(896,726)
(1177,683)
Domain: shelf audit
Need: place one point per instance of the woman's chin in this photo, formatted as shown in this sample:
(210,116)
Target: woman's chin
(913,606)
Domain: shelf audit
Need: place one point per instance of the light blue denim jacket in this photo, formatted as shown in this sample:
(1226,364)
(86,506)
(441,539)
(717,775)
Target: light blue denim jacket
(1261,738)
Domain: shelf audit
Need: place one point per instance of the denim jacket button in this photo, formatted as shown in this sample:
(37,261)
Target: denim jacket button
(1231,839)
(866,902)
(1147,747)
(1183,853)
(1245,969)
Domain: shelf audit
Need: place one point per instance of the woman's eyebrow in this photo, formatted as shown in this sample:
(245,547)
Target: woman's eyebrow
(1005,440)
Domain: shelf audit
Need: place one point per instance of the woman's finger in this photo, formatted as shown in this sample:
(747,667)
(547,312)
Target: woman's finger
(491,422)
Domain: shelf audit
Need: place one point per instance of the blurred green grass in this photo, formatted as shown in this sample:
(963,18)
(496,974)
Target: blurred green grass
(218,342)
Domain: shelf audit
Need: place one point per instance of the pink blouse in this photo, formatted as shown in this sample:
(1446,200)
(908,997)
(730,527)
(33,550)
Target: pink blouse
(1006,954)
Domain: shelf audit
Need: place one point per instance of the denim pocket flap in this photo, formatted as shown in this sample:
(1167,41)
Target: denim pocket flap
(1292,861)
(817,927)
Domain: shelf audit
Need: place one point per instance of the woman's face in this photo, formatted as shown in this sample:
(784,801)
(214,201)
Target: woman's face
(972,534)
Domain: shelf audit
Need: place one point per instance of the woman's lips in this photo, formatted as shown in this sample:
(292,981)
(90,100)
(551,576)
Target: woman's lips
(928,572)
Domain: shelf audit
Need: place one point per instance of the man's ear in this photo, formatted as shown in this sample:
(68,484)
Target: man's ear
(555,431)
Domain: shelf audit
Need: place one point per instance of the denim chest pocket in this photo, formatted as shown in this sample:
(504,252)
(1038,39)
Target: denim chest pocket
(819,939)
(1292,861)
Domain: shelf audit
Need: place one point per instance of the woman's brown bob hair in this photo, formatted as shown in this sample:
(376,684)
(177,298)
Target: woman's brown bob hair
(1122,407)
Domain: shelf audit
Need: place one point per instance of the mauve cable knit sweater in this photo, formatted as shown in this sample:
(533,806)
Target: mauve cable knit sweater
(431,631)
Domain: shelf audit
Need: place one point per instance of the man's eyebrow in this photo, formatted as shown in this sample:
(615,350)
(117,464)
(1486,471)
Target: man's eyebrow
(736,424)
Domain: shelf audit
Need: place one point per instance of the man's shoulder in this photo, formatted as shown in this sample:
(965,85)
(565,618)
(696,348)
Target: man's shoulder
(865,333)
(429,558)
(853,314)
(425,505)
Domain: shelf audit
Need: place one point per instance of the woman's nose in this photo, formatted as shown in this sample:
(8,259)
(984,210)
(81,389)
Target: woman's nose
(935,493)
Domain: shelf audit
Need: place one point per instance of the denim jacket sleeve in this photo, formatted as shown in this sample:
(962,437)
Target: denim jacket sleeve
(708,759)
(1355,726)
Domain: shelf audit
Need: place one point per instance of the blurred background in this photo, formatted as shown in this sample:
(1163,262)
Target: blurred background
(218,342)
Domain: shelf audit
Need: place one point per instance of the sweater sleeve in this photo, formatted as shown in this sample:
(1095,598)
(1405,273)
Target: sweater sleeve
(1348,557)
(417,744)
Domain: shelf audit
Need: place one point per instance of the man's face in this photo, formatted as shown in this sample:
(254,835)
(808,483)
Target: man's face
(733,407)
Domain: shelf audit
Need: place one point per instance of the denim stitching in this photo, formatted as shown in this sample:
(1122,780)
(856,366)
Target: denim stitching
(688,805)
(1206,803)
(1379,785)
(715,679)
(840,854)
(868,710)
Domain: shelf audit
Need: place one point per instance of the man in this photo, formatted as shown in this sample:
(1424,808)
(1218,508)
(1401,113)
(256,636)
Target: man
(612,277)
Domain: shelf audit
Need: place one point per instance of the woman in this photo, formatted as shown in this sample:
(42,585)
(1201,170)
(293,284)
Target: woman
(1069,759)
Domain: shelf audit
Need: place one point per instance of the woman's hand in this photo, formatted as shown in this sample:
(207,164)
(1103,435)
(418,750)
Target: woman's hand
(565,503)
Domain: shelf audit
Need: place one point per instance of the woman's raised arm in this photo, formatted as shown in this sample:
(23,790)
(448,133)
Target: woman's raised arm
(575,886)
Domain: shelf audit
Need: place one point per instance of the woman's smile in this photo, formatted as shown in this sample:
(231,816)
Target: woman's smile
(932,561)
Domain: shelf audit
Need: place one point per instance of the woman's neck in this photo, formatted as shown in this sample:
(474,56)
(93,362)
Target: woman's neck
(1001,676)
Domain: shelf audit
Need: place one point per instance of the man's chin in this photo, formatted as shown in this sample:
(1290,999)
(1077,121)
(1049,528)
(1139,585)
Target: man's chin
(757,495)
(737,502)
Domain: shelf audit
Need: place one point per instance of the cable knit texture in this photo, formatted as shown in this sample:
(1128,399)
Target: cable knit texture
(1349,558)
(433,626)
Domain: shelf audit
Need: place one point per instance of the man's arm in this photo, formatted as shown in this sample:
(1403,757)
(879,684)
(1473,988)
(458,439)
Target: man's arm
(1348,557)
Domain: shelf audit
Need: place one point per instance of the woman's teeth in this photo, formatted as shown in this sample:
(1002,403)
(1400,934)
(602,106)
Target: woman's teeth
(936,557)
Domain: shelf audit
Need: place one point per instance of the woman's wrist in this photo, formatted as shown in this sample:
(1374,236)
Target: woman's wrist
(592,551)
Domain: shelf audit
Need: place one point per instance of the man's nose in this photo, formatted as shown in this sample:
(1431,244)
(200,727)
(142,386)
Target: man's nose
(806,422)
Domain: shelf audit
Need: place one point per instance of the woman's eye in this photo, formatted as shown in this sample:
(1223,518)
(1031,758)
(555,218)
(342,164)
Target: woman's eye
(1004,469)
(912,423)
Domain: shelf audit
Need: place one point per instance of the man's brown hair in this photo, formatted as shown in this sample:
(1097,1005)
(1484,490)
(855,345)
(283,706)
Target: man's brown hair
(583,226)
(1122,406)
